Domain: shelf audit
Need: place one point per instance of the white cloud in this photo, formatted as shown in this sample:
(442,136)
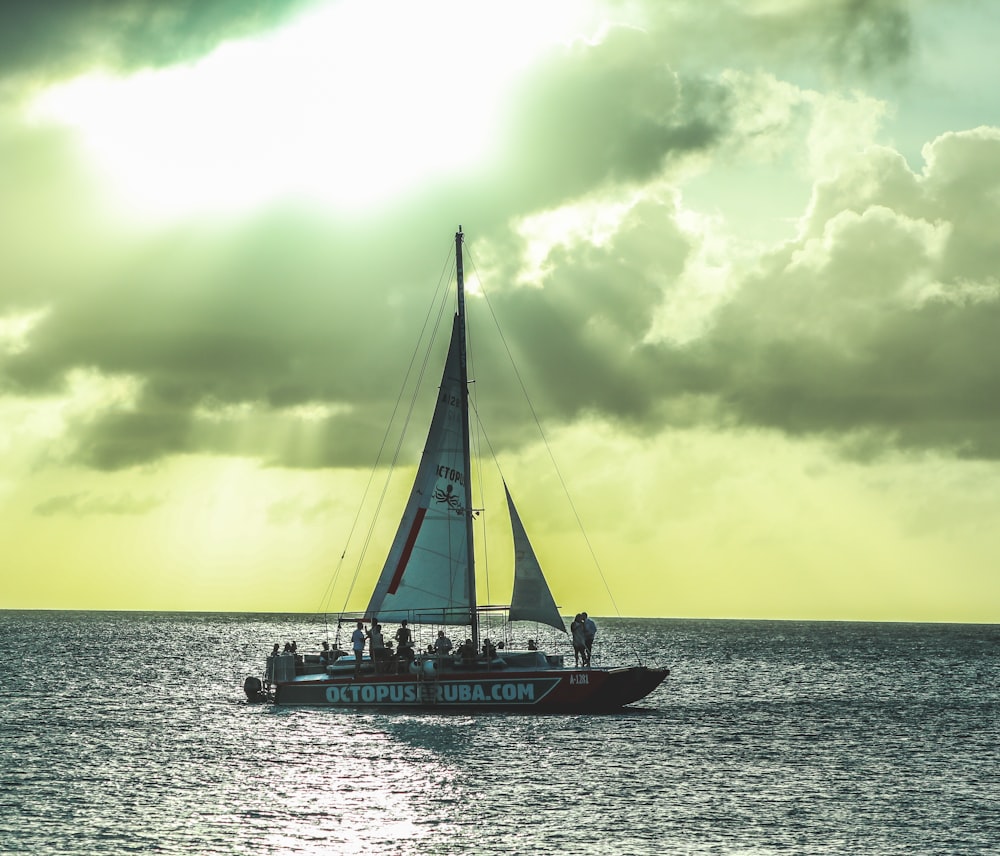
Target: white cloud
(15,330)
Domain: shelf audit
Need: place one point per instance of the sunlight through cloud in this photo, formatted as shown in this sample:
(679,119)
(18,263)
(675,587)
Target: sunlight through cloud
(312,110)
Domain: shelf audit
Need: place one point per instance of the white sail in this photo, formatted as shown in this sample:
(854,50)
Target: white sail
(426,574)
(531,600)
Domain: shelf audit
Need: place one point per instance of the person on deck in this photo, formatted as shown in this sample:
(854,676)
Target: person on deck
(442,645)
(403,635)
(467,651)
(589,632)
(377,646)
(404,655)
(358,643)
(579,640)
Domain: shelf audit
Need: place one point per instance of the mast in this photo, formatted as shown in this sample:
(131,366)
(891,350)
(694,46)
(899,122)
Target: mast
(467,462)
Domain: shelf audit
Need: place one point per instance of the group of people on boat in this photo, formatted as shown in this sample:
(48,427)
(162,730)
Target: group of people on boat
(388,659)
(290,650)
(383,655)
(394,659)
(583,630)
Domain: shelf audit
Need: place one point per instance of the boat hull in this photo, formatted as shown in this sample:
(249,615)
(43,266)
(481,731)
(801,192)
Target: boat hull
(548,691)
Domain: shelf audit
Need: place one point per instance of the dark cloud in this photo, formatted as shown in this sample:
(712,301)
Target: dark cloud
(117,440)
(287,309)
(60,37)
(878,322)
(875,329)
(66,36)
(607,112)
(578,337)
(841,38)
(866,35)
(294,306)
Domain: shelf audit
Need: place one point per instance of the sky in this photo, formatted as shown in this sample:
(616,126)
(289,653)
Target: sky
(744,257)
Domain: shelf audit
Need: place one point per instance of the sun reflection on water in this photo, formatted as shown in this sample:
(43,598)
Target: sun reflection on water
(342,782)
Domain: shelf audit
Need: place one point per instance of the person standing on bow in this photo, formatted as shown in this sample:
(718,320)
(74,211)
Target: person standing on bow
(589,632)
(358,643)
(579,640)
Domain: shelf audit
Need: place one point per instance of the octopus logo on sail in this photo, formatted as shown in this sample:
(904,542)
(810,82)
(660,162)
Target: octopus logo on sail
(449,496)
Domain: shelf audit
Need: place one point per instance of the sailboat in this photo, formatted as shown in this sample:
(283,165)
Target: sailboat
(428,580)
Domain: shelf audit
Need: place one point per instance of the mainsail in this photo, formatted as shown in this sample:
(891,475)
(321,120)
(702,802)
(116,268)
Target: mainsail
(531,600)
(425,575)
(429,573)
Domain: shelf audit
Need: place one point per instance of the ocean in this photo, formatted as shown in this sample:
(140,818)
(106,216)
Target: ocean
(129,733)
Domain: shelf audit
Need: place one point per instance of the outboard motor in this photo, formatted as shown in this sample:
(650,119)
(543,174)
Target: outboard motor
(254,689)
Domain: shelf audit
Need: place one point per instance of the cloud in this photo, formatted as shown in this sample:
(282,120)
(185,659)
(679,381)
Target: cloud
(292,304)
(62,37)
(605,112)
(873,328)
(86,504)
(579,331)
(874,320)
(874,323)
(299,510)
(880,317)
(280,314)
(840,38)
(67,36)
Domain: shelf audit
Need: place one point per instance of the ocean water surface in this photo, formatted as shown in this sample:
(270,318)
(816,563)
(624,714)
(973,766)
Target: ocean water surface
(129,733)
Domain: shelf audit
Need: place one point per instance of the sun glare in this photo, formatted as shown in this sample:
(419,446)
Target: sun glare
(338,105)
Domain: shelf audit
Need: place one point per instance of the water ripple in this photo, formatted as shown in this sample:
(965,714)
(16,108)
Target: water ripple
(125,733)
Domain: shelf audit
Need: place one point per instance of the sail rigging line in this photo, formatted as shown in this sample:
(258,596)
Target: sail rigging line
(396,451)
(443,280)
(481,436)
(545,441)
(441,302)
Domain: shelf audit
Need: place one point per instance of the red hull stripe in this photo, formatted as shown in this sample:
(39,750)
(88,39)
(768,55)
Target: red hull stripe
(411,539)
